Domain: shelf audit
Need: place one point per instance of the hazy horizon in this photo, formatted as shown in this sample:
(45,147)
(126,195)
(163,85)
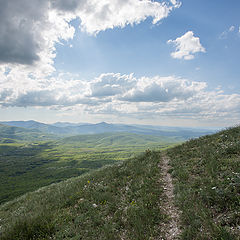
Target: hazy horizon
(115,123)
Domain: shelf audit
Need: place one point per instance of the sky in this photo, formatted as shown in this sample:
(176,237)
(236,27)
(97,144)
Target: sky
(169,62)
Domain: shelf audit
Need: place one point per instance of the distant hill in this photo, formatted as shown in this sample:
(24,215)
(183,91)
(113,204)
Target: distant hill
(67,124)
(71,129)
(42,127)
(8,134)
(119,140)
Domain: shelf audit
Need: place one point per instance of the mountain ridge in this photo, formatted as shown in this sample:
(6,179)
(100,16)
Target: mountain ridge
(76,129)
(11,133)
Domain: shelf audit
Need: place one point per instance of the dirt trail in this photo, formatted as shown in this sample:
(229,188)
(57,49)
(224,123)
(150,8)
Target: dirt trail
(171,228)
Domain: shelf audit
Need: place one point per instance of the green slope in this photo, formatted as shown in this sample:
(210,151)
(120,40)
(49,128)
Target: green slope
(207,184)
(124,201)
(117,202)
(118,139)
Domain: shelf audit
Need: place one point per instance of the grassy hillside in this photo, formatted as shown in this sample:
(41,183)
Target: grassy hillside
(125,201)
(207,185)
(25,166)
(117,202)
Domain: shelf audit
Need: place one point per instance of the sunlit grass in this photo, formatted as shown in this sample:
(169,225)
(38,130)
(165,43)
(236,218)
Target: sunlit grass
(118,201)
(207,179)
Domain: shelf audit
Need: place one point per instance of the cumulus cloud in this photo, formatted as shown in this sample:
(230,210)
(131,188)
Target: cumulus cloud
(29,30)
(98,16)
(160,89)
(186,46)
(18,38)
(119,95)
(111,84)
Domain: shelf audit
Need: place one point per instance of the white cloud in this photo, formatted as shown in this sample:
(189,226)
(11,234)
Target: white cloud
(98,15)
(114,94)
(176,3)
(110,84)
(29,30)
(159,89)
(226,33)
(231,29)
(186,46)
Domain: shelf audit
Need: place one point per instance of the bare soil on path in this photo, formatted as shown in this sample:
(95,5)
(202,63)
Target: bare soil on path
(171,228)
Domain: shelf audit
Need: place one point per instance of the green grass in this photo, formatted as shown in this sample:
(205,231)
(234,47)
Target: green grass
(124,200)
(207,185)
(26,166)
(121,201)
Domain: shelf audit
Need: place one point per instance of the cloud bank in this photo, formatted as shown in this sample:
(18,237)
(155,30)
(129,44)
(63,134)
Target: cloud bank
(186,46)
(118,95)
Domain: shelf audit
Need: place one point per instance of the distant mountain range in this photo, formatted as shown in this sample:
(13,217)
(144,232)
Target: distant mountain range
(71,129)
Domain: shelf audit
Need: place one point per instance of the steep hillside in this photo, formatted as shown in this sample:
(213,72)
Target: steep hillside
(129,200)
(117,202)
(207,185)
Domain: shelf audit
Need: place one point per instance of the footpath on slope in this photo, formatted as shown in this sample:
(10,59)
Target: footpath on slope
(171,228)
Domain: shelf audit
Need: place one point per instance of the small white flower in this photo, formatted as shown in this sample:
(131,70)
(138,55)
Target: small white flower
(214,188)
(94,205)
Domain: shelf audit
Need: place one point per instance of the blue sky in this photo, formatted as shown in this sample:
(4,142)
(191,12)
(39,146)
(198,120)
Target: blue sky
(144,46)
(150,62)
